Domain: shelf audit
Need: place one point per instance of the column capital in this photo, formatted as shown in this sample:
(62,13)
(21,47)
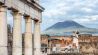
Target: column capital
(3,8)
(37,20)
(2,5)
(15,13)
(25,15)
(28,19)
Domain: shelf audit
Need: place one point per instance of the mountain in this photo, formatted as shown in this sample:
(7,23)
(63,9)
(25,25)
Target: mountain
(65,24)
(68,26)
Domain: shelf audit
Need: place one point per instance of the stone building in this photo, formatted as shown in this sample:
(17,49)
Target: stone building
(87,44)
(44,43)
(31,11)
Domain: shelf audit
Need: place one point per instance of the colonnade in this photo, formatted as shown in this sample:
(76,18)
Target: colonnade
(32,45)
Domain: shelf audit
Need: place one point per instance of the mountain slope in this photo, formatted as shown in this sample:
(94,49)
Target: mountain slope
(65,24)
(68,26)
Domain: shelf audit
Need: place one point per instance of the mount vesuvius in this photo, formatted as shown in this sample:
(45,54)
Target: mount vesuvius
(69,26)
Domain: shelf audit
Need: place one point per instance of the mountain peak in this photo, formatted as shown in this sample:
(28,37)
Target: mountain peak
(65,24)
(69,21)
(66,27)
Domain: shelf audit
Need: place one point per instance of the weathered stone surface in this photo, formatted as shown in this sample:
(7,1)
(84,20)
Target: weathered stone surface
(3,31)
(28,37)
(37,38)
(17,35)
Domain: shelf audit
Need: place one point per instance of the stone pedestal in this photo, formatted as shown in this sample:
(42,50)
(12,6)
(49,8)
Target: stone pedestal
(37,38)
(3,31)
(28,36)
(17,35)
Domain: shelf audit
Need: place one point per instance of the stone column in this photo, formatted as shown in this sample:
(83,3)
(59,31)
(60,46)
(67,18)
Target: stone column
(17,35)
(28,36)
(37,43)
(3,30)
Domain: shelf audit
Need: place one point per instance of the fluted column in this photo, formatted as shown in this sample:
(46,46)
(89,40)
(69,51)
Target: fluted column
(37,43)
(17,35)
(3,30)
(28,36)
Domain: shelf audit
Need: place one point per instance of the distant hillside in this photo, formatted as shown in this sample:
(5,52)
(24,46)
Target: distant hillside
(65,24)
(68,26)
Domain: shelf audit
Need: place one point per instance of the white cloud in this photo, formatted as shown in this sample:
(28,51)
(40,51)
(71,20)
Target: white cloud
(87,9)
(90,21)
(82,11)
(56,9)
(94,18)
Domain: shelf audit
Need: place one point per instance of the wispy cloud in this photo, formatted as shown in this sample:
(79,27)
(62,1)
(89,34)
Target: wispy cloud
(82,11)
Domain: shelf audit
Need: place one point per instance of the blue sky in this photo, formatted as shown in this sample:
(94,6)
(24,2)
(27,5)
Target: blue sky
(84,12)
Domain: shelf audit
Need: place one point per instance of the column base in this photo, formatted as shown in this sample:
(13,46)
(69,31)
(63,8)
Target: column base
(28,51)
(37,51)
(3,51)
(17,51)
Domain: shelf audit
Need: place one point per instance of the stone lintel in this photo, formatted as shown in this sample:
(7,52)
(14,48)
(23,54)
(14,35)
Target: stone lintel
(34,5)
